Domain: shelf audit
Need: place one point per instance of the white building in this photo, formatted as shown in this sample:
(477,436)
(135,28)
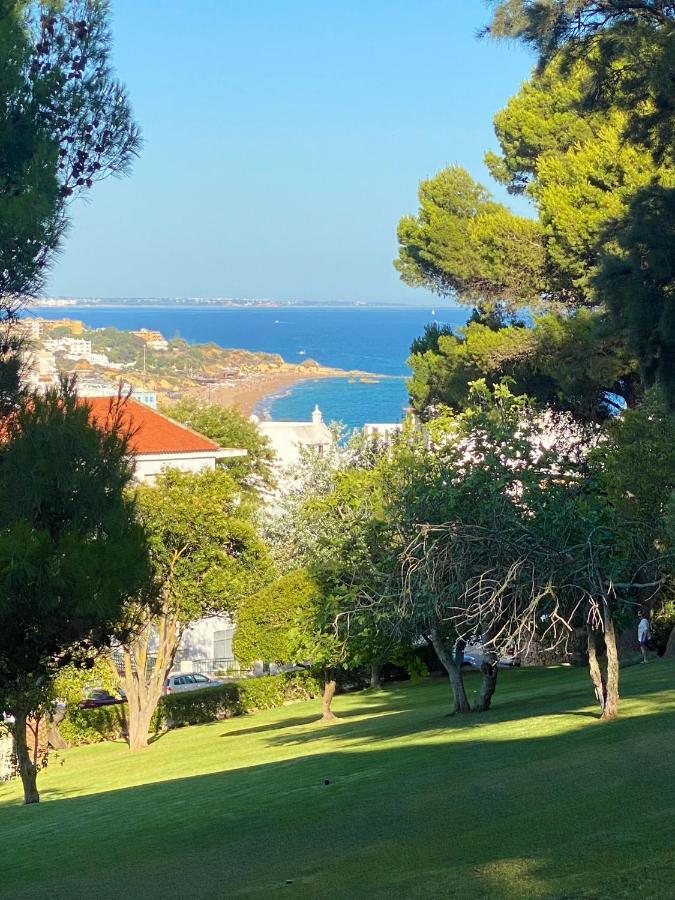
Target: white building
(289,439)
(29,328)
(154,340)
(158,443)
(98,359)
(97,386)
(40,371)
(383,431)
(74,348)
(209,642)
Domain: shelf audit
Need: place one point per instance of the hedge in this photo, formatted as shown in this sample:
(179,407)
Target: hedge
(234,698)
(91,726)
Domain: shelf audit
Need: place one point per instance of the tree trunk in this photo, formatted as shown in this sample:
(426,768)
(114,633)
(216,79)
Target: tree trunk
(670,646)
(54,737)
(488,685)
(27,767)
(454,672)
(376,675)
(329,687)
(144,689)
(611,710)
(139,716)
(594,668)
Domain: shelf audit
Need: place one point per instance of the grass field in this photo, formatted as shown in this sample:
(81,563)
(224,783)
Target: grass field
(534,799)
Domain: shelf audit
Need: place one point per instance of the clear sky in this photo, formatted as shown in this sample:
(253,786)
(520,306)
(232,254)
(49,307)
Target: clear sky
(283,141)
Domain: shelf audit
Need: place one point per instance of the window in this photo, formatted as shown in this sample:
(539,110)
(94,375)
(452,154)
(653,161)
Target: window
(222,644)
(201,679)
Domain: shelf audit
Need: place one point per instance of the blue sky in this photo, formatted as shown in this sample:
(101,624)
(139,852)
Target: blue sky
(283,141)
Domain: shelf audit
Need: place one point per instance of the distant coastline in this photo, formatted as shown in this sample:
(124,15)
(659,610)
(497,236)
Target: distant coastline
(72,303)
(272,371)
(173,368)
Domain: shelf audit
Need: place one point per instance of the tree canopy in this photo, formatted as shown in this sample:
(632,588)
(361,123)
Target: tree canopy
(229,428)
(207,556)
(631,46)
(595,267)
(72,553)
(65,123)
(577,363)
(269,621)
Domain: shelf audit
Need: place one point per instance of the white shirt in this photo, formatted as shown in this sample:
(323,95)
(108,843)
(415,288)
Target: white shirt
(643,630)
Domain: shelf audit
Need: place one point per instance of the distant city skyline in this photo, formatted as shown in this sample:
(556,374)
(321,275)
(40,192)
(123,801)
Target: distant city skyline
(283,142)
(415,299)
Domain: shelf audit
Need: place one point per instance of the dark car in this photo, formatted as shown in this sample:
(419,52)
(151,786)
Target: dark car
(100,697)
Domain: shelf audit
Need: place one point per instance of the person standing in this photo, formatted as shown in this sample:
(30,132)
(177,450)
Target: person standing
(644,634)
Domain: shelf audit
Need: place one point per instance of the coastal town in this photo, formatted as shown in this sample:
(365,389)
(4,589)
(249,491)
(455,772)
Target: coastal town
(157,369)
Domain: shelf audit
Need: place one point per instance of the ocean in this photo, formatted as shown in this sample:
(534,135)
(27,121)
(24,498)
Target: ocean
(371,339)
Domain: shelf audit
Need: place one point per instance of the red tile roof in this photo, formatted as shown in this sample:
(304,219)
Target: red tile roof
(151,431)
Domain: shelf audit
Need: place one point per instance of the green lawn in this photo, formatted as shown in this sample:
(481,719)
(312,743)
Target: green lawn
(535,799)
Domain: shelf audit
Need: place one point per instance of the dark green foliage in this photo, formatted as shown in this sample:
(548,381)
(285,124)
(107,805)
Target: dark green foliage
(65,122)
(233,698)
(573,362)
(30,212)
(632,47)
(464,244)
(91,726)
(635,469)
(71,551)
(204,543)
(601,250)
(637,280)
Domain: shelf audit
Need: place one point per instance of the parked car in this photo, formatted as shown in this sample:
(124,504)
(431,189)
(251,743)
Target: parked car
(101,697)
(474,654)
(189,681)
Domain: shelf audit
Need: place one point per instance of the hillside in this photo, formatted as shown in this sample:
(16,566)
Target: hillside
(536,799)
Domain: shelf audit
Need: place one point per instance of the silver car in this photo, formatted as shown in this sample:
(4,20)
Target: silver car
(189,681)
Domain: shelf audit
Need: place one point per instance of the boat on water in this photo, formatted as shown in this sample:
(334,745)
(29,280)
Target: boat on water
(433,312)
(369,380)
(302,353)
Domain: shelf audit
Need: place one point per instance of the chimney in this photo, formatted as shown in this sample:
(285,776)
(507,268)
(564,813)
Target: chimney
(317,418)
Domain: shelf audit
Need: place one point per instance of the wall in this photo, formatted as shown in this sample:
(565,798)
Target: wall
(148,466)
(197,641)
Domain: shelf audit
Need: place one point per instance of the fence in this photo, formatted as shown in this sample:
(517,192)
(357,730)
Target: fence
(118,660)
(219,666)
(226,666)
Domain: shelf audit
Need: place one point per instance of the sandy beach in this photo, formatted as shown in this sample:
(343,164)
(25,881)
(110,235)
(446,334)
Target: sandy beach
(246,395)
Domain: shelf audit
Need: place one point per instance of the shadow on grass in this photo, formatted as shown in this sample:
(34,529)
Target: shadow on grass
(313,719)
(502,818)
(567,692)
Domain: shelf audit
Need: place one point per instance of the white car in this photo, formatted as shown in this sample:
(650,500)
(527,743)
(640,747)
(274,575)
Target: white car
(189,681)
(474,654)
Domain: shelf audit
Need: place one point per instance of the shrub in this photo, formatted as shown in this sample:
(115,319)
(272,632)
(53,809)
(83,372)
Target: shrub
(267,620)
(233,699)
(91,726)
